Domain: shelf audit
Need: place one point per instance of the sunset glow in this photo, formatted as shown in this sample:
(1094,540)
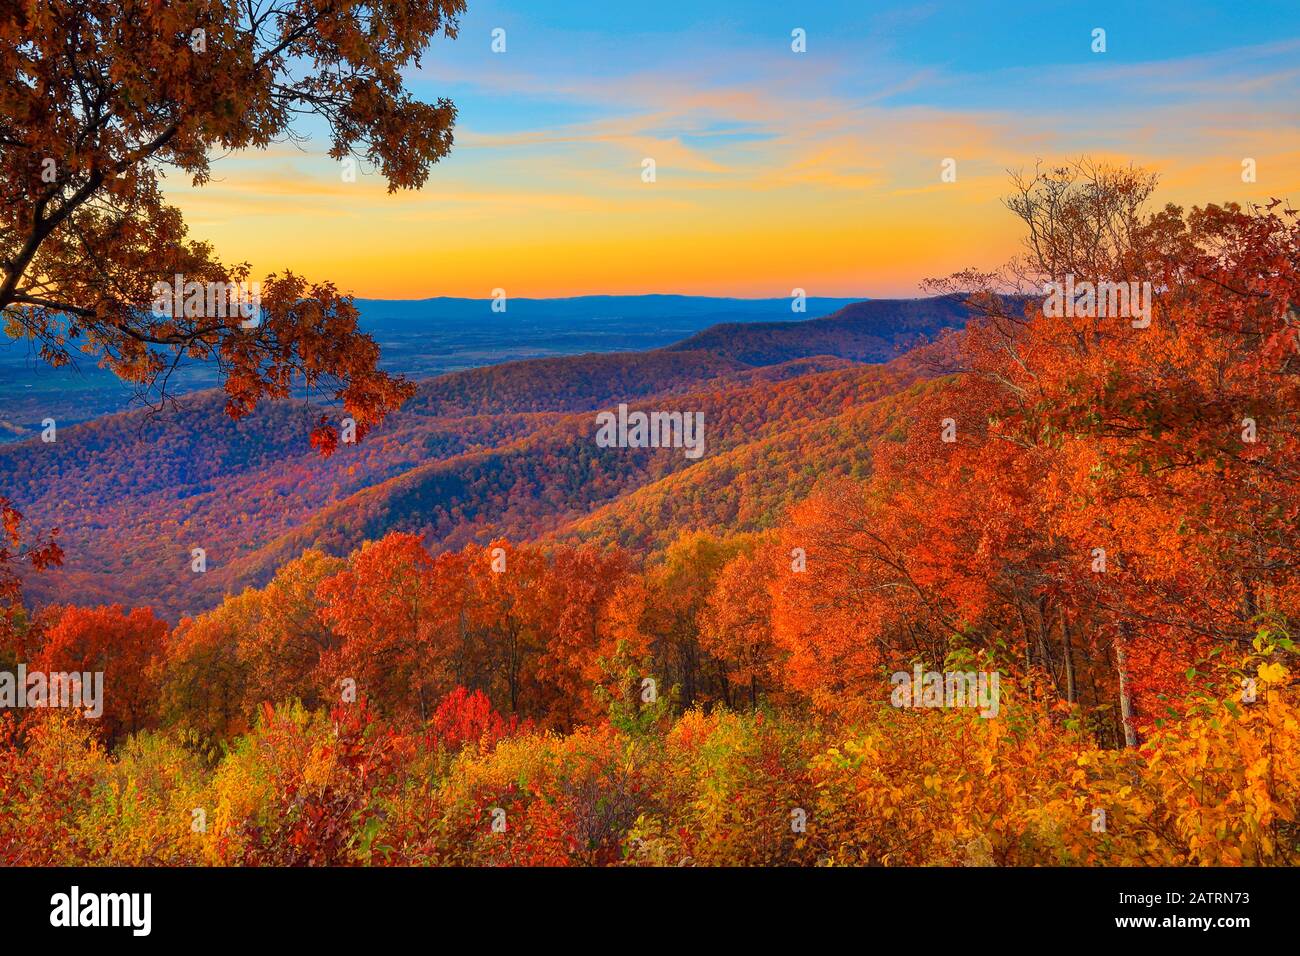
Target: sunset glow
(774,169)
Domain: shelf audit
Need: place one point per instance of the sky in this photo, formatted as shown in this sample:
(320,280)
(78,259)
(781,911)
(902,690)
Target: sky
(774,169)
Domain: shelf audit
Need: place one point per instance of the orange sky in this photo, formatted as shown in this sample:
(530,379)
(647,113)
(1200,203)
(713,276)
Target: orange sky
(818,170)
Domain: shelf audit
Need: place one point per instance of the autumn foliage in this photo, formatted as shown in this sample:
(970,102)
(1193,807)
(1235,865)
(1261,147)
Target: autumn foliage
(1102,512)
(101,99)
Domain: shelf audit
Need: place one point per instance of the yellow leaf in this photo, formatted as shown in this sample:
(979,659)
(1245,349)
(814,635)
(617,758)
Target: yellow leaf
(1273,673)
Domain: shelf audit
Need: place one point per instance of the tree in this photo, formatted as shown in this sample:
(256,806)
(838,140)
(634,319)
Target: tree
(99,97)
(506,633)
(123,645)
(677,590)
(282,641)
(386,610)
(577,587)
(737,624)
(204,681)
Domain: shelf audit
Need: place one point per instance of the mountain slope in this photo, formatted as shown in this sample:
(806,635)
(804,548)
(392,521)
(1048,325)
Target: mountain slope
(873,331)
(557,474)
(748,487)
(506,449)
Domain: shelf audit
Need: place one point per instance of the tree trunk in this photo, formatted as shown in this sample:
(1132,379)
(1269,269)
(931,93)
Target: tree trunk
(1044,627)
(1071,692)
(1125,697)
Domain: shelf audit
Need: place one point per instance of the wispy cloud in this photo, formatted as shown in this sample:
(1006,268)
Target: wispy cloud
(754,142)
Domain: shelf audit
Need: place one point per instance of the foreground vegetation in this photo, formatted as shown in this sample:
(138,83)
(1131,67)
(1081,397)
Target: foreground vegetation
(1219,786)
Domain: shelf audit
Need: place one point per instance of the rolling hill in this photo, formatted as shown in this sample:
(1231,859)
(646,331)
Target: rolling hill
(501,450)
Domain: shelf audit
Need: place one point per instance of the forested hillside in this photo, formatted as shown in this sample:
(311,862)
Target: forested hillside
(865,331)
(502,450)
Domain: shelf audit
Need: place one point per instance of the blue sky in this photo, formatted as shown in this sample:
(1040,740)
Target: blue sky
(774,169)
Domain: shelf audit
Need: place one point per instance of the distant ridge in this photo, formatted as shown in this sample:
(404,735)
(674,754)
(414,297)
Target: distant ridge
(438,308)
(871,331)
(418,338)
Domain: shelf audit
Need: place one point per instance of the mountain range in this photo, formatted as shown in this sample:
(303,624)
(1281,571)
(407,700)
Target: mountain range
(500,450)
(419,338)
